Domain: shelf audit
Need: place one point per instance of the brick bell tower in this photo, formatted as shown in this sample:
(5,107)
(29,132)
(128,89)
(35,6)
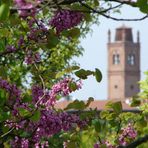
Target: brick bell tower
(123,64)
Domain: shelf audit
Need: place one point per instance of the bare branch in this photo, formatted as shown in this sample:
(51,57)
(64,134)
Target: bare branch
(122,19)
(5,53)
(110,17)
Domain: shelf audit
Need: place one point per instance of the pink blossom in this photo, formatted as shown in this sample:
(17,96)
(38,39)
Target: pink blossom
(127,133)
(65,19)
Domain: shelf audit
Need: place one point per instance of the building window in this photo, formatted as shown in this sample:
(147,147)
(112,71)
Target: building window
(116,86)
(116,59)
(131,59)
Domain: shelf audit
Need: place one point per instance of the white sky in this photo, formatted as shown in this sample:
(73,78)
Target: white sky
(95,54)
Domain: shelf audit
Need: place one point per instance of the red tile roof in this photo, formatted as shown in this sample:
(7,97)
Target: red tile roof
(99,104)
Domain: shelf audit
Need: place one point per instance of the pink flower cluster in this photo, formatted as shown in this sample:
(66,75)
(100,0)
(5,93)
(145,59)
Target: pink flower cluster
(127,133)
(108,145)
(63,87)
(12,124)
(65,19)
(37,33)
(37,30)
(11,48)
(42,97)
(50,123)
(10,88)
(32,58)
(14,100)
(49,97)
(20,143)
(26,8)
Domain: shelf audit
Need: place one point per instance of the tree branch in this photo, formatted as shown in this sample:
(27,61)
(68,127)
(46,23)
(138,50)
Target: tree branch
(136,142)
(58,3)
(110,17)
(5,53)
(129,2)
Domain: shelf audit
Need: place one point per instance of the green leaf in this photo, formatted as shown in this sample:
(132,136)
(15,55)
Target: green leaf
(3,96)
(72,68)
(4,32)
(96,2)
(66,71)
(4,115)
(14,20)
(72,86)
(4,10)
(73,137)
(2,44)
(74,33)
(97,125)
(104,114)
(103,146)
(135,102)
(24,112)
(25,134)
(111,116)
(77,105)
(141,123)
(36,116)
(83,74)
(108,105)
(3,71)
(52,39)
(143,5)
(98,75)
(88,17)
(27,98)
(71,144)
(117,107)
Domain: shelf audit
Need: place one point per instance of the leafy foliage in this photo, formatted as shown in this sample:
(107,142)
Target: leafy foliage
(38,40)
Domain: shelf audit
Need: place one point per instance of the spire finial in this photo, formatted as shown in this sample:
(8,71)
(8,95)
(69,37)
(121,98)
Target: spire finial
(138,36)
(109,36)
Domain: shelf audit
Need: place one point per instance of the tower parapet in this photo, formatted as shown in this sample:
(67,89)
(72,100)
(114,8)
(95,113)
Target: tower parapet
(124,33)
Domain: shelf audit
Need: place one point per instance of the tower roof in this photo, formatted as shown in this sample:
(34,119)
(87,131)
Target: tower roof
(124,33)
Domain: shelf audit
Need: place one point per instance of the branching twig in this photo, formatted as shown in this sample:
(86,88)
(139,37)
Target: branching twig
(110,17)
(135,143)
(122,19)
(6,52)
(7,132)
(58,3)
(43,84)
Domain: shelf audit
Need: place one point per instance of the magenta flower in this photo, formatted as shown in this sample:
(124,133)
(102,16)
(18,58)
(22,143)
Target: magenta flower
(65,19)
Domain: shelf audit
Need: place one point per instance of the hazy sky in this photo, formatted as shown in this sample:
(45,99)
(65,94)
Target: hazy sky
(95,54)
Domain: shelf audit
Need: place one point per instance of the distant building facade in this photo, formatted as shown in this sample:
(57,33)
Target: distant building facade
(123,64)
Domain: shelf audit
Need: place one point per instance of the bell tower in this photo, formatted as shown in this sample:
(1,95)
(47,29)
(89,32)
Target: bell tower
(123,64)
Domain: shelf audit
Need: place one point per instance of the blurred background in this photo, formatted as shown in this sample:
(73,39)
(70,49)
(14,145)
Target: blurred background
(95,53)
